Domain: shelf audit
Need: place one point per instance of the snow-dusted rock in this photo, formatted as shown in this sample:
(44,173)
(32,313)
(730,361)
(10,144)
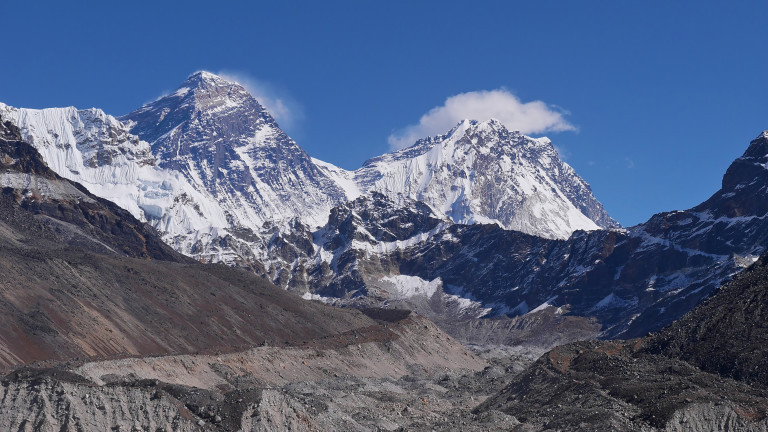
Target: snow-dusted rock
(494,216)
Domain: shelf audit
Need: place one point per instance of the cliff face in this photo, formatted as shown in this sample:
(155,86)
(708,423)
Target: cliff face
(39,204)
(480,172)
(608,386)
(53,402)
(221,140)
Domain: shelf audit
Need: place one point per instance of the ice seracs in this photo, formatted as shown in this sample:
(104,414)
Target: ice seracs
(223,141)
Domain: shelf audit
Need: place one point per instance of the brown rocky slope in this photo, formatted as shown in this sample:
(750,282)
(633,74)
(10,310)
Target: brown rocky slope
(106,328)
(82,278)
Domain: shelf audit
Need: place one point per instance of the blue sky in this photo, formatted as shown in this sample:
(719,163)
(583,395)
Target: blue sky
(657,98)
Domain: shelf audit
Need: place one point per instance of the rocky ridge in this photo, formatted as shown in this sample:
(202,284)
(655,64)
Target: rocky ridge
(703,372)
(215,175)
(416,383)
(402,372)
(63,249)
(388,248)
(726,334)
(97,151)
(610,386)
(153,340)
(223,141)
(40,206)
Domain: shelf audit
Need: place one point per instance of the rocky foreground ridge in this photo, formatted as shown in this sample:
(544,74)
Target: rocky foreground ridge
(105,326)
(210,168)
(704,372)
(404,373)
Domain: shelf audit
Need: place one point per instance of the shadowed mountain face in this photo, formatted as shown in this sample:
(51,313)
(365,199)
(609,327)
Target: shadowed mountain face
(237,189)
(48,207)
(81,278)
(481,172)
(728,333)
(706,371)
(615,386)
(224,142)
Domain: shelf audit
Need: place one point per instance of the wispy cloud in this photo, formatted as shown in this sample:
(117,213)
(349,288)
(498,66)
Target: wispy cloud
(529,118)
(286,110)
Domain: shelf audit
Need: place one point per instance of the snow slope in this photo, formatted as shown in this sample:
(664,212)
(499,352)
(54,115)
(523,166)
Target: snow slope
(210,169)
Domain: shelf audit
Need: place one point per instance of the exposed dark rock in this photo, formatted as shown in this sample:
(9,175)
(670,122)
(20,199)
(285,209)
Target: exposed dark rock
(63,211)
(386,315)
(708,368)
(631,281)
(728,333)
(611,386)
(213,131)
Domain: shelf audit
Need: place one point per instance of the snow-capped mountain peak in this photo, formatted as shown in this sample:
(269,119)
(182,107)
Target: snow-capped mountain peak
(214,173)
(481,172)
(200,92)
(212,92)
(221,139)
(205,76)
(83,138)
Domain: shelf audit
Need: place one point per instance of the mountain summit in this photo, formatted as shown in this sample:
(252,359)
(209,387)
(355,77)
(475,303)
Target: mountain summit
(211,170)
(219,137)
(481,172)
(223,141)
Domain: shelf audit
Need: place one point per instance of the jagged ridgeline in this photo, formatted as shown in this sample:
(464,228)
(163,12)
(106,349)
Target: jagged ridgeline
(221,168)
(706,371)
(484,220)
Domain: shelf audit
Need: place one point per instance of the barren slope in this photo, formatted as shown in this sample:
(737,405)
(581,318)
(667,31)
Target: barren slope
(79,277)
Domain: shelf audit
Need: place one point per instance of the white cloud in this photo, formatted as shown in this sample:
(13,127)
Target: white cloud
(283,108)
(528,118)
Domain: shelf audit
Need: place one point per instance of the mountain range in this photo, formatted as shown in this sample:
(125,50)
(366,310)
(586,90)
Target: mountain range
(111,319)
(479,222)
